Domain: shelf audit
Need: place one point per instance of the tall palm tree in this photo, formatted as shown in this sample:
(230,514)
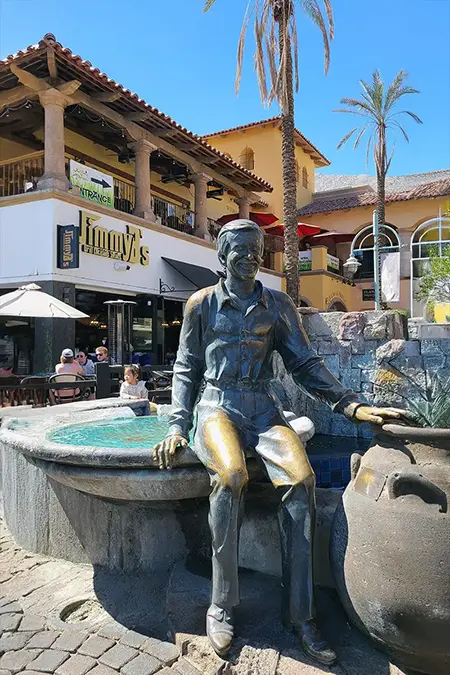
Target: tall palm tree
(276,65)
(377,107)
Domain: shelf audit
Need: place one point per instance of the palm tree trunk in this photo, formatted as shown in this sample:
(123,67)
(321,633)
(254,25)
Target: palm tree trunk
(289,178)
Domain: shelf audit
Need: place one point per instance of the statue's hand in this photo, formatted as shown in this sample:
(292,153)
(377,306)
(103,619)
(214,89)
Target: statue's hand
(164,451)
(367,413)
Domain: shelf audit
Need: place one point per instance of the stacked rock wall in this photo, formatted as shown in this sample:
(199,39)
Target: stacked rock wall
(357,347)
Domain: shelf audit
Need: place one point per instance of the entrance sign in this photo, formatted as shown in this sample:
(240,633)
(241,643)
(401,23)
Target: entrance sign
(95,186)
(68,252)
(97,240)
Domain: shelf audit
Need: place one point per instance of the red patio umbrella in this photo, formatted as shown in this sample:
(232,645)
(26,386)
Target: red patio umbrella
(303,230)
(262,219)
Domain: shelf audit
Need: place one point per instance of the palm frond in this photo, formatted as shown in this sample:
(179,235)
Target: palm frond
(312,9)
(294,40)
(208,5)
(359,137)
(415,117)
(347,137)
(399,126)
(329,11)
(357,103)
(240,50)
(259,60)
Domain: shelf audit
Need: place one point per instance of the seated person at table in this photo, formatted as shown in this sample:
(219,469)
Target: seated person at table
(70,367)
(86,364)
(133,387)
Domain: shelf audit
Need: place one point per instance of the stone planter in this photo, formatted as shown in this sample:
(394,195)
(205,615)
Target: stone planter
(390,546)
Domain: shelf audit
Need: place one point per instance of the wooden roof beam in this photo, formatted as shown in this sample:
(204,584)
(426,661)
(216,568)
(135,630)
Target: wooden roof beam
(107,96)
(52,66)
(28,79)
(15,95)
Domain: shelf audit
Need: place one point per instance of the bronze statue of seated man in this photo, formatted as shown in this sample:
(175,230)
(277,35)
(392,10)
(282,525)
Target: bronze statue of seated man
(229,334)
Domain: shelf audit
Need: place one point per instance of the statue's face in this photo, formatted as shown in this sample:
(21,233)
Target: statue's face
(244,256)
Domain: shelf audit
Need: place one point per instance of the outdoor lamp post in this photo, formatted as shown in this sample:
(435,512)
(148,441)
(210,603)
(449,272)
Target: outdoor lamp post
(351,265)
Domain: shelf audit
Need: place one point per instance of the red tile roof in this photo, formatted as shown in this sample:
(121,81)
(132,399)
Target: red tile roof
(92,75)
(438,188)
(306,145)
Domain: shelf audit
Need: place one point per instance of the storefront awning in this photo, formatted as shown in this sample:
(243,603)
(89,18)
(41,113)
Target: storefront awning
(261,219)
(198,276)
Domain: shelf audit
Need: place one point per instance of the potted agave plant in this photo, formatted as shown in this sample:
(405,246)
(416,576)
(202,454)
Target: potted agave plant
(390,545)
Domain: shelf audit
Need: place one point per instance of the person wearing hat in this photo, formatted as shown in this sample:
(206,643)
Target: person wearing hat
(68,365)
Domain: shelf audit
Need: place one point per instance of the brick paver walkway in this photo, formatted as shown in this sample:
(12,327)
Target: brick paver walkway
(34,640)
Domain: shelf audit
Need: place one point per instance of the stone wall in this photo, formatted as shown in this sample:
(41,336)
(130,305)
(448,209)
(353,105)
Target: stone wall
(356,347)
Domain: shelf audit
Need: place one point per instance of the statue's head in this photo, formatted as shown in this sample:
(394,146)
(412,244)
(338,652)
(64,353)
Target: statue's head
(240,248)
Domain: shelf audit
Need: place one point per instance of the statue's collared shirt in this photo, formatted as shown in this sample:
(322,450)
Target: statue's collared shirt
(230,346)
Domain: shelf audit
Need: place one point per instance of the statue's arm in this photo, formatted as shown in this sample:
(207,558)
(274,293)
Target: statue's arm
(307,369)
(188,370)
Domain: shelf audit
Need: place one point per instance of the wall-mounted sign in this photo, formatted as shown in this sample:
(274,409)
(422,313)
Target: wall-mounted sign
(304,261)
(68,257)
(368,294)
(94,185)
(97,240)
(333,263)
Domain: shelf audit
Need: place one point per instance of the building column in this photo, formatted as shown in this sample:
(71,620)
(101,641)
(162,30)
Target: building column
(143,205)
(200,181)
(244,206)
(54,176)
(51,336)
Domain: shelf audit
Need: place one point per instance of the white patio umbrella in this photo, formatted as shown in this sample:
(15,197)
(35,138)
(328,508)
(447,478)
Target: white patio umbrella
(31,301)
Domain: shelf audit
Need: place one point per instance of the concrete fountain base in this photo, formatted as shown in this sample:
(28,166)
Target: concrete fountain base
(113,509)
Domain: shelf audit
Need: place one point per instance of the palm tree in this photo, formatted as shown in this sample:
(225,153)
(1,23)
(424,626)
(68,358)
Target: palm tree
(376,106)
(276,55)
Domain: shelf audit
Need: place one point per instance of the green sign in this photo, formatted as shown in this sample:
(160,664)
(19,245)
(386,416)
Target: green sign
(95,186)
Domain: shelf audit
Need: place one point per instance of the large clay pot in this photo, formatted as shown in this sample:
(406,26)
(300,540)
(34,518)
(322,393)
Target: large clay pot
(390,546)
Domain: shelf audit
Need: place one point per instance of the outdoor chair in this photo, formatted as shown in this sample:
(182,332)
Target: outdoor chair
(35,397)
(8,397)
(58,396)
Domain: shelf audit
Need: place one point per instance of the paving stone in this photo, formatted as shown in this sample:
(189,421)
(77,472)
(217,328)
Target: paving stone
(102,670)
(43,640)
(49,660)
(144,664)
(185,667)
(112,631)
(15,661)
(95,646)
(31,622)
(118,656)
(11,607)
(70,640)
(14,641)
(31,672)
(9,621)
(133,639)
(77,664)
(166,652)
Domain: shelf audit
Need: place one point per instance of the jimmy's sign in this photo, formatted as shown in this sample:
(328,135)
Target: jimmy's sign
(97,240)
(68,248)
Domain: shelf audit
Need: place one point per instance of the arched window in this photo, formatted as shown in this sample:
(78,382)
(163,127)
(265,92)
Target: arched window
(431,238)
(363,244)
(247,158)
(297,172)
(305,177)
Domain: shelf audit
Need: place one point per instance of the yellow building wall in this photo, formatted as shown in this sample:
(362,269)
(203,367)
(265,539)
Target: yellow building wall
(265,141)
(405,216)
(11,149)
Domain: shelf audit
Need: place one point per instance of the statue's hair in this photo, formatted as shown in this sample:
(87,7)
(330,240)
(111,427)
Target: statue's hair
(236,226)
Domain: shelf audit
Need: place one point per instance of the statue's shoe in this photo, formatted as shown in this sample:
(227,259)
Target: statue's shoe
(314,645)
(219,629)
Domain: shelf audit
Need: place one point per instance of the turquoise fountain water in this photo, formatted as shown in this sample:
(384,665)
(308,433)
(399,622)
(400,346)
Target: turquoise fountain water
(119,433)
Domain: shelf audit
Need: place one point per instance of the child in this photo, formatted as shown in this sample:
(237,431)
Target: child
(133,387)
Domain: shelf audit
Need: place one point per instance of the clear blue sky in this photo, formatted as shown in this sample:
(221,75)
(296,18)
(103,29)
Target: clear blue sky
(183,62)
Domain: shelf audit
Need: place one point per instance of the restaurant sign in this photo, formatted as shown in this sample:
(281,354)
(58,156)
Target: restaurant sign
(94,185)
(68,256)
(97,240)
(368,294)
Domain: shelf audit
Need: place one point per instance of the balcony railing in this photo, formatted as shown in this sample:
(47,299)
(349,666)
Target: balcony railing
(124,195)
(21,175)
(173,215)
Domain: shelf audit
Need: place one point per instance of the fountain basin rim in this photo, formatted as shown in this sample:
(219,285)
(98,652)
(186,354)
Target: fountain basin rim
(423,434)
